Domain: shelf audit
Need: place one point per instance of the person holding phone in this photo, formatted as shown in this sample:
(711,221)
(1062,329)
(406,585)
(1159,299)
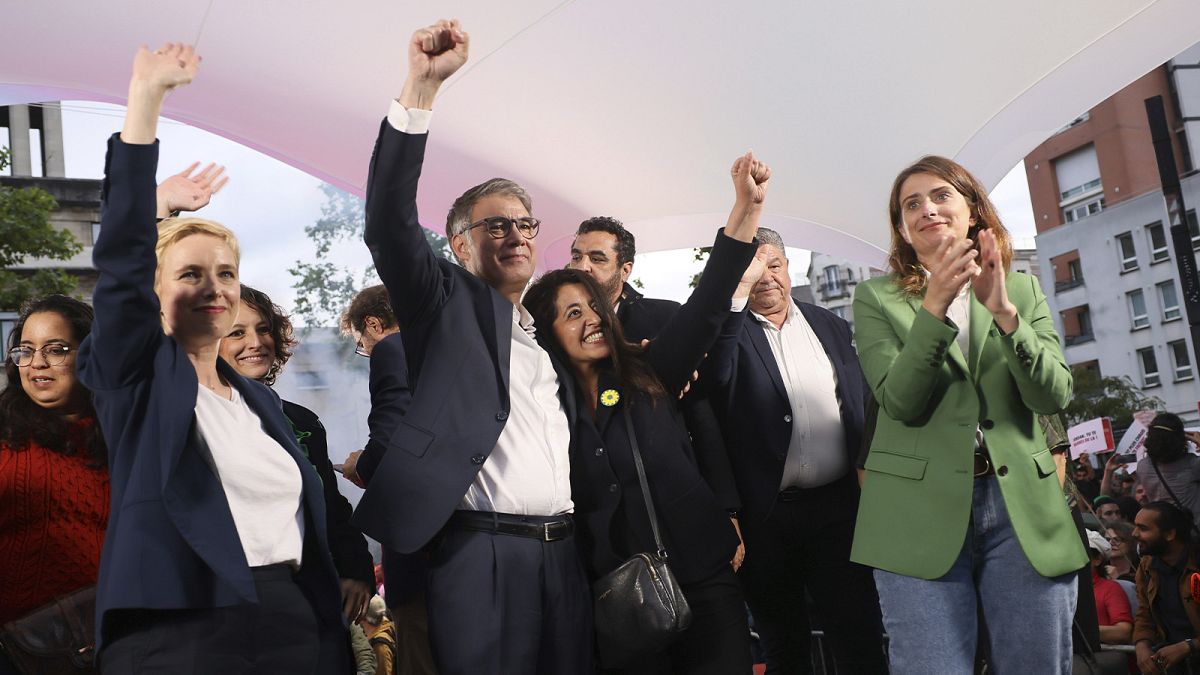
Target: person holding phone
(961,511)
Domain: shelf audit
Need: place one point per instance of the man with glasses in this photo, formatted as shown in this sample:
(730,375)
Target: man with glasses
(477,470)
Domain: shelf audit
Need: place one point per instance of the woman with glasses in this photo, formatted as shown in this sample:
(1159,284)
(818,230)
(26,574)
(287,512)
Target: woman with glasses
(620,384)
(216,558)
(961,511)
(257,347)
(54,493)
(1124,558)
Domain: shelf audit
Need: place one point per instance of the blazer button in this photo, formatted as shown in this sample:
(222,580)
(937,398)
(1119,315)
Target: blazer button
(612,487)
(787,418)
(599,451)
(987,424)
(477,459)
(501,416)
(1002,471)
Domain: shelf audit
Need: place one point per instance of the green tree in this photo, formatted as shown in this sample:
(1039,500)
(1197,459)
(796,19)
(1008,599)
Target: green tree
(26,232)
(323,289)
(1116,398)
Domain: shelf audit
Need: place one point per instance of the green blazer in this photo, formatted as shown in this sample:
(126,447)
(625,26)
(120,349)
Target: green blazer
(919,478)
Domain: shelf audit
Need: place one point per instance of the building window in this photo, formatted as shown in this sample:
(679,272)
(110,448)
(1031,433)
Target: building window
(1126,252)
(8,321)
(1182,360)
(1149,364)
(1158,242)
(1170,301)
(1193,227)
(1137,310)
(1078,174)
(1083,210)
(1077,325)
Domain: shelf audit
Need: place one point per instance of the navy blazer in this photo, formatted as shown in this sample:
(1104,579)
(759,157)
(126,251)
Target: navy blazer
(457,334)
(753,406)
(171,541)
(643,317)
(695,527)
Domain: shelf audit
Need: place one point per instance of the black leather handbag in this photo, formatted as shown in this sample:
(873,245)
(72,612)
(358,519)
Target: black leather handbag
(55,639)
(640,608)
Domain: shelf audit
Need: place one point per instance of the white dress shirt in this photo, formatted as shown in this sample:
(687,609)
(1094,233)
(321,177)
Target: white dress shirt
(817,450)
(529,470)
(261,480)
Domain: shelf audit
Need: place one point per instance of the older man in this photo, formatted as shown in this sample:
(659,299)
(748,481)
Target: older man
(790,401)
(477,470)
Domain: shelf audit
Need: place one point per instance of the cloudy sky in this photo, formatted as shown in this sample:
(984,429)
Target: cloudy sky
(268,203)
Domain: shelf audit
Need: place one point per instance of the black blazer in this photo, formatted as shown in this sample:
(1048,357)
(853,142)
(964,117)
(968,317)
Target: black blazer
(171,541)
(643,317)
(351,556)
(753,407)
(404,573)
(457,334)
(609,506)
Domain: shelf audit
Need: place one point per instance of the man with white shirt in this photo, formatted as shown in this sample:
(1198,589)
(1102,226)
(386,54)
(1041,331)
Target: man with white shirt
(790,396)
(477,471)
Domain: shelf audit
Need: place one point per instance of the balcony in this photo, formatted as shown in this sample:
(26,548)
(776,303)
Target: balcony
(841,287)
(1061,286)
(1072,340)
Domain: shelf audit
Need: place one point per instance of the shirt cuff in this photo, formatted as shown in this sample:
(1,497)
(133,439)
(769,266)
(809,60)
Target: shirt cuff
(409,121)
(738,304)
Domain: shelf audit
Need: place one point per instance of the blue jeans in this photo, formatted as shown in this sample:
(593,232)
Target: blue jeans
(933,624)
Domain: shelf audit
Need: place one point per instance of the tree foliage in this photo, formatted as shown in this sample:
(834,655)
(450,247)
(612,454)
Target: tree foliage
(324,288)
(26,232)
(1116,398)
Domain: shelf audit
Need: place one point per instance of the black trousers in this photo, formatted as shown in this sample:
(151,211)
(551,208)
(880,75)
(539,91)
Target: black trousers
(501,604)
(805,544)
(277,636)
(717,642)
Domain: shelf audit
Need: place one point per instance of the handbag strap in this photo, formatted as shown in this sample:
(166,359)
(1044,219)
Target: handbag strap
(641,472)
(1178,503)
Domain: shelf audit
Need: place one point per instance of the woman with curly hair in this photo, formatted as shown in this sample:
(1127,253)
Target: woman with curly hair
(54,493)
(257,347)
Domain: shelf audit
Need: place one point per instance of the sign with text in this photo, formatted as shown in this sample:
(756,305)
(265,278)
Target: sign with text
(1093,437)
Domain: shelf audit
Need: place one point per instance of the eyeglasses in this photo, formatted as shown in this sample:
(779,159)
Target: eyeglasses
(499,226)
(361,350)
(55,355)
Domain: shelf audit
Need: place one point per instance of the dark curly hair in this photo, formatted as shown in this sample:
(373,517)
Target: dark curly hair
(278,324)
(22,421)
(626,245)
(625,359)
(1166,441)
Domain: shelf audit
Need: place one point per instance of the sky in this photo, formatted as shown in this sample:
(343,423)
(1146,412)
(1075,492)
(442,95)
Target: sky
(268,204)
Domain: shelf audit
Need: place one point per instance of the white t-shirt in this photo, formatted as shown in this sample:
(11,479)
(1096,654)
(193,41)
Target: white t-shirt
(261,480)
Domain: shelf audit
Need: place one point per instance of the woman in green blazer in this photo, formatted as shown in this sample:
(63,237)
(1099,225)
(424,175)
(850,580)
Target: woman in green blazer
(960,502)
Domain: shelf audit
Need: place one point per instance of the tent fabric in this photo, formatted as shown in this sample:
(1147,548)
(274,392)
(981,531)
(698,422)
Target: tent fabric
(629,109)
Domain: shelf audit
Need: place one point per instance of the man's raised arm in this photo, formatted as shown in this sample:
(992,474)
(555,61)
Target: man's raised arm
(406,264)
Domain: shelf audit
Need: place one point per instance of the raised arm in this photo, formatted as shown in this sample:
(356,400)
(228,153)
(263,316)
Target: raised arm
(686,338)
(405,262)
(127,324)
(189,191)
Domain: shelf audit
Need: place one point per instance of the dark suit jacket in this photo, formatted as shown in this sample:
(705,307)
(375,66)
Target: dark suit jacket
(457,335)
(351,556)
(753,407)
(171,540)
(643,317)
(404,573)
(696,529)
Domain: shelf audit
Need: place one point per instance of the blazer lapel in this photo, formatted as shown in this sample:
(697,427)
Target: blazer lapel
(758,337)
(494,313)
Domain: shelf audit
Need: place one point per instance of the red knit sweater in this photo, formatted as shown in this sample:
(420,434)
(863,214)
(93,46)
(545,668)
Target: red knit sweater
(53,511)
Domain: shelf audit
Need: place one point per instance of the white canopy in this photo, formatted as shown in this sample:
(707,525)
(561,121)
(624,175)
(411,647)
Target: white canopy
(630,109)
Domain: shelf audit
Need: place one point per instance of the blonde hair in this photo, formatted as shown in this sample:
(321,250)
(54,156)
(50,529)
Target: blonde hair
(907,271)
(172,230)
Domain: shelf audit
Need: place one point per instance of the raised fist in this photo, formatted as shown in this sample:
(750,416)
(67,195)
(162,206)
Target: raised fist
(750,178)
(436,52)
(170,66)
